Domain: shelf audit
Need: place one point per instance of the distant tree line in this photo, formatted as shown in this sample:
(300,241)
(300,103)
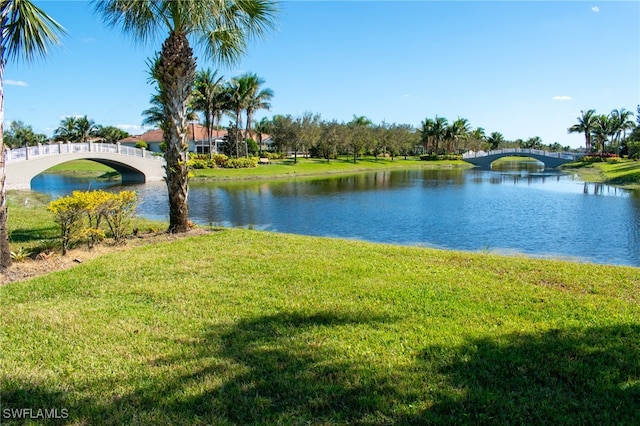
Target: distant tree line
(70,129)
(607,133)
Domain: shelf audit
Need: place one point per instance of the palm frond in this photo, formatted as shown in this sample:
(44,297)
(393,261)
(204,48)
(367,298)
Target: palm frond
(27,31)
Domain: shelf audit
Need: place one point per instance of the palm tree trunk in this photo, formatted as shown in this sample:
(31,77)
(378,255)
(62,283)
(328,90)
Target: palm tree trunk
(176,73)
(5,250)
(237,135)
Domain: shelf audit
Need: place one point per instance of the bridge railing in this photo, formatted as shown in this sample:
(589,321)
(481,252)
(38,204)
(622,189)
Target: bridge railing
(562,155)
(28,153)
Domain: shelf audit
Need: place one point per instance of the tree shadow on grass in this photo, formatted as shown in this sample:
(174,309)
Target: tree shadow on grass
(568,376)
(276,369)
(33,234)
(266,370)
(286,376)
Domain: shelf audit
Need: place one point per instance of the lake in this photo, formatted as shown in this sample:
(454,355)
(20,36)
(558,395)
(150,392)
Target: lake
(517,209)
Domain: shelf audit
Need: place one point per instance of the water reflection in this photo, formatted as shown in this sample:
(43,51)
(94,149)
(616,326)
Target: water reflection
(542,213)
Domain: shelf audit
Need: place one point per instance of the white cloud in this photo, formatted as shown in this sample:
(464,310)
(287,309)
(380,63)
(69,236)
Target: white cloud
(16,83)
(595,9)
(562,98)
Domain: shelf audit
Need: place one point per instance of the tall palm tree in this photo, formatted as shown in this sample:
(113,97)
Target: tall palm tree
(205,94)
(263,126)
(601,130)
(66,131)
(426,137)
(495,139)
(438,131)
(85,128)
(238,95)
(27,33)
(222,29)
(585,125)
(621,123)
(478,137)
(456,131)
(256,99)
(154,115)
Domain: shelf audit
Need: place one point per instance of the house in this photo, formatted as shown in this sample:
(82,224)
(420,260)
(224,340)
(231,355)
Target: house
(197,137)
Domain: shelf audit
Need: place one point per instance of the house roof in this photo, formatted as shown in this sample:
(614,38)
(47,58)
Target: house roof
(155,136)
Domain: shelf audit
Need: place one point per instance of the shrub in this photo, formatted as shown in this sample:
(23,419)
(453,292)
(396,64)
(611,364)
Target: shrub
(597,157)
(68,213)
(199,164)
(92,204)
(242,163)
(273,155)
(220,160)
(119,212)
(142,145)
(434,157)
(20,255)
(80,216)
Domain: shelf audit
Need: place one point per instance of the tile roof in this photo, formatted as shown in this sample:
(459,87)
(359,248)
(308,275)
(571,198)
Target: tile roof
(200,133)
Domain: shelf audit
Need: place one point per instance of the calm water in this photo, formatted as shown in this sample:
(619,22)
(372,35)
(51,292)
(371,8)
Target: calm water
(532,212)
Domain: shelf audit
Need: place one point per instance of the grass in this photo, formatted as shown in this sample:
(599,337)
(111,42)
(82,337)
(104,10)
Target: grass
(31,227)
(314,167)
(249,327)
(624,173)
(85,168)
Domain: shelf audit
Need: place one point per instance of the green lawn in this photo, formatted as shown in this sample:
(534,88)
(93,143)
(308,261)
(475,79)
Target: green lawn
(315,167)
(249,327)
(84,168)
(624,173)
(32,228)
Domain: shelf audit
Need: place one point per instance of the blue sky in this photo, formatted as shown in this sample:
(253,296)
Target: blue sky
(521,68)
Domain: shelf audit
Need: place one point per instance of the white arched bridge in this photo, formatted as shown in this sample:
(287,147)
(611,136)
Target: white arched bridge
(551,160)
(133,164)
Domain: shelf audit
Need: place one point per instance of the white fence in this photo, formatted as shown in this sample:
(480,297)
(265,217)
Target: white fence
(28,153)
(562,155)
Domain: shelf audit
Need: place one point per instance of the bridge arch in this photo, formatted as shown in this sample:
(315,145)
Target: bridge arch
(134,165)
(551,160)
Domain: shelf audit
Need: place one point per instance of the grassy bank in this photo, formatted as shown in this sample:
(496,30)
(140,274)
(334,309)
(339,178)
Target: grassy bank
(625,173)
(248,327)
(85,168)
(277,169)
(31,226)
(317,167)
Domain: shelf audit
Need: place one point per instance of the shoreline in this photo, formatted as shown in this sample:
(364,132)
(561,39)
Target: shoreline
(624,174)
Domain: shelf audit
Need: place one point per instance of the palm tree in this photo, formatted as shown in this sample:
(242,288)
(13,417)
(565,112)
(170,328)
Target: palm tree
(26,33)
(621,123)
(237,100)
(438,131)
(66,131)
(458,130)
(256,99)
(495,139)
(601,130)
(263,126)
(585,125)
(154,115)
(205,94)
(478,137)
(222,27)
(85,128)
